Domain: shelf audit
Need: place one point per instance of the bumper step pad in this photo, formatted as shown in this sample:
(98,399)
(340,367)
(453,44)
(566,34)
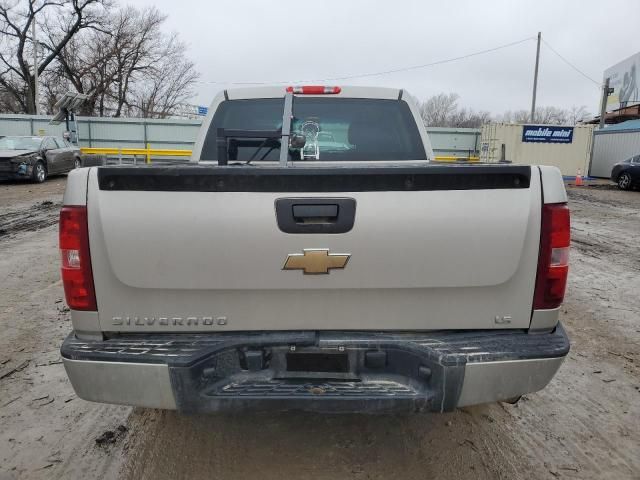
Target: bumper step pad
(282,388)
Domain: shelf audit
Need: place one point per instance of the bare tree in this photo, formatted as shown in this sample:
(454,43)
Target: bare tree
(168,83)
(546,115)
(437,110)
(8,102)
(516,116)
(442,111)
(83,65)
(137,46)
(64,17)
(131,68)
(469,118)
(551,116)
(577,114)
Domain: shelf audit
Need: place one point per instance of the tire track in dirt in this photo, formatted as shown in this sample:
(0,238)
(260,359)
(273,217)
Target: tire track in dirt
(29,218)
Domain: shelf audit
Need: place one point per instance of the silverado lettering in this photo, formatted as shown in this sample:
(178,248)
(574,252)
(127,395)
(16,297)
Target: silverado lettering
(164,321)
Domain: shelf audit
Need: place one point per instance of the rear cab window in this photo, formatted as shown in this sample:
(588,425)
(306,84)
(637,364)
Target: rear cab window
(336,129)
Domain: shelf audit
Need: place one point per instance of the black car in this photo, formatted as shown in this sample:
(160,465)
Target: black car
(36,158)
(627,174)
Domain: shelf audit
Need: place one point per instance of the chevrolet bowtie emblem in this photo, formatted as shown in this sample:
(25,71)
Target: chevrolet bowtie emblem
(314,261)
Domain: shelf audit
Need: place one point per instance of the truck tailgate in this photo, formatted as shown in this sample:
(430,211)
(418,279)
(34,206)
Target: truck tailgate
(200,248)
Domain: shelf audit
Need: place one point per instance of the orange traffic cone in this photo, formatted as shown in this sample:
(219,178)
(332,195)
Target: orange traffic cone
(579,179)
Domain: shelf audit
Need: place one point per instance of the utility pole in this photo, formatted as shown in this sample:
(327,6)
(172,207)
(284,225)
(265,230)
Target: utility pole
(606,91)
(535,81)
(36,96)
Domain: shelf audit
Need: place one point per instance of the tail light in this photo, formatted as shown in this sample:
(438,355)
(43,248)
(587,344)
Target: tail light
(77,276)
(553,262)
(314,90)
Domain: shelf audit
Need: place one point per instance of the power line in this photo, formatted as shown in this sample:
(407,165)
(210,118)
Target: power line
(571,64)
(416,67)
(384,72)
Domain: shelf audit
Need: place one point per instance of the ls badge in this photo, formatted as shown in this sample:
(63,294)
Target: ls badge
(316,261)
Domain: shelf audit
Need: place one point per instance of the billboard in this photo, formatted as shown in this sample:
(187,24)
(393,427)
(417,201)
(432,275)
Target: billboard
(547,134)
(624,78)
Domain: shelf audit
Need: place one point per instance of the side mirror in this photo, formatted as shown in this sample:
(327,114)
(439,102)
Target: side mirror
(297,141)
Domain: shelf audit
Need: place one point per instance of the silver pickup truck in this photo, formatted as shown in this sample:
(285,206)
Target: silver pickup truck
(313,256)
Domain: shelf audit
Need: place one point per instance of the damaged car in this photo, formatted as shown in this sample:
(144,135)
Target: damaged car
(35,158)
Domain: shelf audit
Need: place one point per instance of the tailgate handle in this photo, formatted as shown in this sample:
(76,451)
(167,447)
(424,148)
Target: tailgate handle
(315,215)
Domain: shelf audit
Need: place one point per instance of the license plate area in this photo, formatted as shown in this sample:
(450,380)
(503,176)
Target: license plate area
(314,362)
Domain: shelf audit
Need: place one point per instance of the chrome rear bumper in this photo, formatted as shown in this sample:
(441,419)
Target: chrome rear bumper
(381,371)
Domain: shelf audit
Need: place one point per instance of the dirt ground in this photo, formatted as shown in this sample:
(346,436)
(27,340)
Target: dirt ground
(584,425)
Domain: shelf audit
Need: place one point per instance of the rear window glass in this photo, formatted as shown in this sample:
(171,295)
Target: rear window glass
(336,129)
